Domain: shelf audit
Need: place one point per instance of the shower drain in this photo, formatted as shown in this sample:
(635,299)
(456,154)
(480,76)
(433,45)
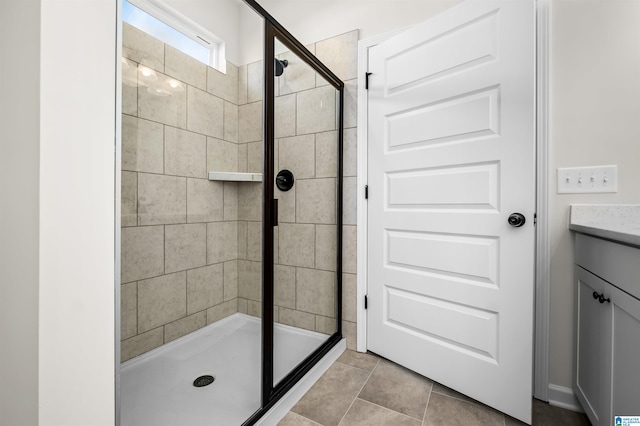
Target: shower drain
(203,381)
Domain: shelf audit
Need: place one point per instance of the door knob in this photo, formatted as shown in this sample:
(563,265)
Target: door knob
(516,220)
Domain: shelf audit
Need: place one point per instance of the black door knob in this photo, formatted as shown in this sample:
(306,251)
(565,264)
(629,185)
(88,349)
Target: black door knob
(516,220)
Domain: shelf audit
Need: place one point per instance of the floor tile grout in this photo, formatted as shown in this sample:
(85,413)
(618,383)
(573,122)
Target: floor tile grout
(362,387)
(353,366)
(307,418)
(426,407)
(387,409)
(473,402)
(459,399)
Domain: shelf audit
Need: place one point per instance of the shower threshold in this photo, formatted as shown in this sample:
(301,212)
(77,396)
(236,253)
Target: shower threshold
(157,388)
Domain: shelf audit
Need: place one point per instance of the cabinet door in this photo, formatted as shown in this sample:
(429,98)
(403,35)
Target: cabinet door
(625,397)
(593,348)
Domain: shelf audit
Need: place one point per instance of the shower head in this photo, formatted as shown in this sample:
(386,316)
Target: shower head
(280,66)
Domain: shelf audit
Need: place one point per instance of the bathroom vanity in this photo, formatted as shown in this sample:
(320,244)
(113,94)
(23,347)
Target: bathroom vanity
(607,271)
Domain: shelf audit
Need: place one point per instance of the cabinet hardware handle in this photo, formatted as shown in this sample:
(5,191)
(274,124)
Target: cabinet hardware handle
(601,299)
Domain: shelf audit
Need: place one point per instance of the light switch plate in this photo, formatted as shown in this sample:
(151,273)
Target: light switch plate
(584,180)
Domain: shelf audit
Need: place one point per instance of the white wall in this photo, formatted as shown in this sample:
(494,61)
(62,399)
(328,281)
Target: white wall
(595,120)
(19,150)
(252,39)
(314,20)
(77,180)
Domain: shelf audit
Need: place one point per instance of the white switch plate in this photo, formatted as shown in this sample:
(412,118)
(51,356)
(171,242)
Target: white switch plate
(582,180)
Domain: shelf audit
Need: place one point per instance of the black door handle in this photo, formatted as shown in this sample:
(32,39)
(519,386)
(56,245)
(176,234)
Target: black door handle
(274,212)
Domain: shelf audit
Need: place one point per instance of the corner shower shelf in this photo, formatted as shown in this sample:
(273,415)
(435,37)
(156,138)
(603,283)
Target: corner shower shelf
(235,176)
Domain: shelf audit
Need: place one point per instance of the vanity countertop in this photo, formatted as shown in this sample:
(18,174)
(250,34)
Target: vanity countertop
(616,222)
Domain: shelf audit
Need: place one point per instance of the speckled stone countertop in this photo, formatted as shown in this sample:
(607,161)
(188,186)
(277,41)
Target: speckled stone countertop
(617,222)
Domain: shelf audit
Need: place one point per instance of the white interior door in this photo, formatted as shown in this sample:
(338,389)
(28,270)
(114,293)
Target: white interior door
(451,157)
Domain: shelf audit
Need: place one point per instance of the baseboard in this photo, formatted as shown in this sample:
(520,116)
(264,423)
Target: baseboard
(560,396)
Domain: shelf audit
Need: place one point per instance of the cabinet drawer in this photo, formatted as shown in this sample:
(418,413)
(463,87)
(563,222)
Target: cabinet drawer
(613,262)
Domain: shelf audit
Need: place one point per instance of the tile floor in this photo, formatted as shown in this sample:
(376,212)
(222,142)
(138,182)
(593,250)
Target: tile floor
(364,389)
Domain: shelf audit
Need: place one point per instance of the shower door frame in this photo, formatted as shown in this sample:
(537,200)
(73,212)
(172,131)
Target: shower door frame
(270,393)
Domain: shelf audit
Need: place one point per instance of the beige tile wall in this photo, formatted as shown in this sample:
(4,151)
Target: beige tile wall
(179,230)
(191,248)
(341,55)
(306,144)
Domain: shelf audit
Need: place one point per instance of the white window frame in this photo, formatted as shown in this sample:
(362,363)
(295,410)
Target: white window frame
(189,28)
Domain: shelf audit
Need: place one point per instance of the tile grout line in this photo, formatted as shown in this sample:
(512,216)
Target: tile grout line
(358,394)
(389,409)
(365,370)
(300,415)
(469,400)
(426,407)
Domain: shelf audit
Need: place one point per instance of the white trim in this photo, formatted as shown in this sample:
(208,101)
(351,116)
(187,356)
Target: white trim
(361,181)
(361,208)
(189,28)
(76,215)
(117,206)
(562,397)
(286,403)
(541,334)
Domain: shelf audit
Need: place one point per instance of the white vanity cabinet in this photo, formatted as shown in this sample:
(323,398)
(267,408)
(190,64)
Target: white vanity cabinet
(608,329)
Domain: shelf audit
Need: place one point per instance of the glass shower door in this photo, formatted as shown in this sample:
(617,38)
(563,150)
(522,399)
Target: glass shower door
(306,186)
(305,163)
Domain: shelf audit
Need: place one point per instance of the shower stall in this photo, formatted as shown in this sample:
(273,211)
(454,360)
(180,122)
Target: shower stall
(231,225)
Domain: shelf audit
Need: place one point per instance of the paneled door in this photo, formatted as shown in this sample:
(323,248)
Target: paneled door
(452,196)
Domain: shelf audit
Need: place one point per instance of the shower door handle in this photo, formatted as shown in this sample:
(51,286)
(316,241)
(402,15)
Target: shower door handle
(274,212)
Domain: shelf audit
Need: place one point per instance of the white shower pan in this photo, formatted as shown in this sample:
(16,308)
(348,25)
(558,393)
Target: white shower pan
(157,387)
